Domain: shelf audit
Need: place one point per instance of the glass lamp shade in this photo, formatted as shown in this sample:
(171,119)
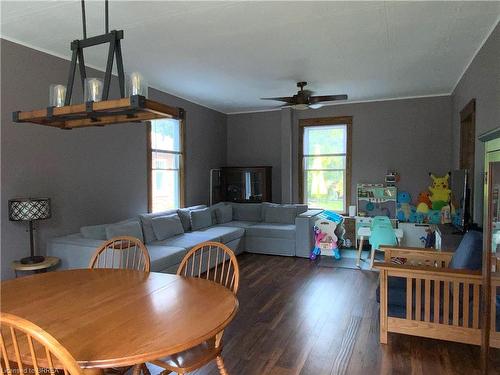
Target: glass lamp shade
(57,94)
(28,209)
(137,84)
(93,89)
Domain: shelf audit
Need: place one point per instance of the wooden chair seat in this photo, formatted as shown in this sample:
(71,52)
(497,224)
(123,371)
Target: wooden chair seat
(191,359)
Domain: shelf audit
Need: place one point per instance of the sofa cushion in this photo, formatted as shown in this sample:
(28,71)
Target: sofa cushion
(167,226)
(279,213)
(132,229)
(163,257)
(247,211)
(147,224)
(94,232)
(469,253)
(185,216)
(223,234)
(188,240)
(238,224)
(201,219)
(286,231)
(224,214)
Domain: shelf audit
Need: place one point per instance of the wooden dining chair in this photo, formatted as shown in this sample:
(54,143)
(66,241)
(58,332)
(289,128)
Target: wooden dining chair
(216,262)
(122,253)
(27,348)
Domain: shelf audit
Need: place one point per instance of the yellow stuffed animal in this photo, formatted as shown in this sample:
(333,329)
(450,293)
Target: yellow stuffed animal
(440,192)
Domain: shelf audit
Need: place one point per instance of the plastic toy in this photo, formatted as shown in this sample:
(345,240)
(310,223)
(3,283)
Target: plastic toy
(324,234)
(440,192)
(403,206)
(422,208)
(423,197)
(446,215)
(434,217)
(429,241)
(318,237)
(413,218)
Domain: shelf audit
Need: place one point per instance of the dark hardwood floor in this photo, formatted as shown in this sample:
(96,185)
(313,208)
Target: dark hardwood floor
(298,318)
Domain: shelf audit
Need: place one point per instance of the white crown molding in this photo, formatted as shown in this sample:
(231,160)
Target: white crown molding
(475,54)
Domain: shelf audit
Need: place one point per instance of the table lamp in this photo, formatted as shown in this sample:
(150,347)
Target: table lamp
(30,209)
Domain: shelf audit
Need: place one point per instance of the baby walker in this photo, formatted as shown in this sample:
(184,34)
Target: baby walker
(324,235)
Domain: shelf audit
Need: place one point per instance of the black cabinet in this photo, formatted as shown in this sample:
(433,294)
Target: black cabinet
(246,184)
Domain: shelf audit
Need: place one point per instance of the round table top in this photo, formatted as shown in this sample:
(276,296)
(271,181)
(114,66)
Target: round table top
(110,318)
(48,262)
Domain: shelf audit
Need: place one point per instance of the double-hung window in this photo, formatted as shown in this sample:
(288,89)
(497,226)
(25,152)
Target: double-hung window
(166,164)
(325,163)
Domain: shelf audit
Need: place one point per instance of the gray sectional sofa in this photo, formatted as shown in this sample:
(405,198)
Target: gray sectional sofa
(262,228)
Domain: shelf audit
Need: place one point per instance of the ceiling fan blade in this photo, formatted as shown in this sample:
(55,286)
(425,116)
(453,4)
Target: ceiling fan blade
(327,98)
(286,99)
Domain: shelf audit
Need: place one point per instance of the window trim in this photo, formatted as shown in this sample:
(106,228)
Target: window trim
(182,164)
(325,121)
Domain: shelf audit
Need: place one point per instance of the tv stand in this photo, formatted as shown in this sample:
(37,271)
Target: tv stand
(447,237)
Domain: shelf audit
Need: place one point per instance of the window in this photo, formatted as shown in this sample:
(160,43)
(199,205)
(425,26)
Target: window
(325,163)
(165,159)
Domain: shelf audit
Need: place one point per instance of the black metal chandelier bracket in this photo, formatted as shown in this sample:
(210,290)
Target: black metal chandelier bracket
(114,38)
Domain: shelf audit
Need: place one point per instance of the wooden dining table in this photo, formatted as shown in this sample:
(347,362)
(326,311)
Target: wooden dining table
(113,318)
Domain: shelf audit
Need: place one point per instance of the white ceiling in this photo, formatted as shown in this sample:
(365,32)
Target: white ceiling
(226,55)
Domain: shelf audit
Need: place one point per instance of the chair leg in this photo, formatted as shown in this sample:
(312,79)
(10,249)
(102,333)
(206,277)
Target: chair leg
(140,369)
(359,250)
(220,365)
(372,257)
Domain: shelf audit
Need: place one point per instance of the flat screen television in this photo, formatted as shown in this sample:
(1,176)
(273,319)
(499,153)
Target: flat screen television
(460,198)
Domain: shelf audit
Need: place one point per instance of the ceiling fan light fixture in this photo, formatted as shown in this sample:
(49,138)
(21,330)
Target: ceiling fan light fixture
(315,106)
(300,107)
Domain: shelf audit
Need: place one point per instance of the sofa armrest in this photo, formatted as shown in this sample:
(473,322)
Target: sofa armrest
(427,272)
(304,239)
(418,256)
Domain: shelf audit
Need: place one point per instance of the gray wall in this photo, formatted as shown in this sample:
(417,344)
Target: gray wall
(205,145)
(254,139)
(92,175)
(482,82)
(411,136)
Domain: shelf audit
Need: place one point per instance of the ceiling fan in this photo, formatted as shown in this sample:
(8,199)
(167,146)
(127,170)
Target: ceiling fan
(304,99)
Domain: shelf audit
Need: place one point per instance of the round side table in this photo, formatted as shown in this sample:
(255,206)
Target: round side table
(36,267)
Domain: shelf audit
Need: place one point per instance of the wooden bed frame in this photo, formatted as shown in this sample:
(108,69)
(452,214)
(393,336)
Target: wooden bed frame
(426,268)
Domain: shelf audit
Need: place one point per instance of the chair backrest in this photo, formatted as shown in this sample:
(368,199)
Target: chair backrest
(26,347)
(212,261)
(378,220)
(469,254)
(122,253)
(383,234)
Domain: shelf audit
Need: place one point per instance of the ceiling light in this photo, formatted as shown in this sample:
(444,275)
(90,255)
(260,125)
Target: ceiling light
(98,109)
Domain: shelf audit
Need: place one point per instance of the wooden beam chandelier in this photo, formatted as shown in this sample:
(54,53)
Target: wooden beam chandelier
(97,109)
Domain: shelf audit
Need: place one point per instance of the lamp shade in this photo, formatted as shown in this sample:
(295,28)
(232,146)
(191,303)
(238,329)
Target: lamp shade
(27,209)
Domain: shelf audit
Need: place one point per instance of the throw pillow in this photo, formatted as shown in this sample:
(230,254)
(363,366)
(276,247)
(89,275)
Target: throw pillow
(167,226)
(185,217)
(131,228)
(224,214)
(147,224)
(201,218)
